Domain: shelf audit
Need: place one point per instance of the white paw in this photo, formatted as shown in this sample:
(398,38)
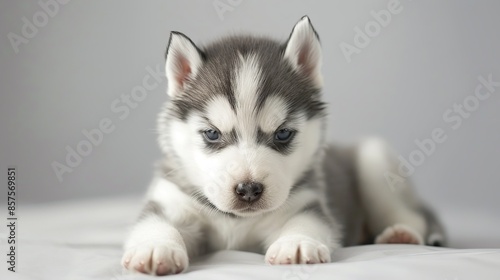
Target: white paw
(156,258)
(297,250)
(401,234)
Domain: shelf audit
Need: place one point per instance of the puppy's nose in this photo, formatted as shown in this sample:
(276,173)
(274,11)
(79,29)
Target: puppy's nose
(249,191)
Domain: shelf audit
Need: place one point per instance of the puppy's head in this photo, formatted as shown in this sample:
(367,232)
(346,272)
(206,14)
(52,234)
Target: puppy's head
(245,116)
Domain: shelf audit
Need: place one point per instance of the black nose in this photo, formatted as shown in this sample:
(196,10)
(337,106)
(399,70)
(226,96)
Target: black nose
(249,191)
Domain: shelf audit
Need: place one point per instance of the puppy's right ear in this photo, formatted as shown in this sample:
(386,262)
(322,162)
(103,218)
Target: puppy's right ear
(183,60)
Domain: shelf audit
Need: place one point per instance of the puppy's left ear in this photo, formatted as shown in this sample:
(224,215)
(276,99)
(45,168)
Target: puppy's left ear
(303,51)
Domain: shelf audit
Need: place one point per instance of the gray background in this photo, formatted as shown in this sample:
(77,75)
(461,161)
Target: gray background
(91,52)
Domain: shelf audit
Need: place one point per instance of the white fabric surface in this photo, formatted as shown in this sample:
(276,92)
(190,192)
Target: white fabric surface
(82,240)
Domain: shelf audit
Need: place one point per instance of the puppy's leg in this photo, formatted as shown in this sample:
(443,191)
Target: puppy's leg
(304,239)
(394,213)
(165,234)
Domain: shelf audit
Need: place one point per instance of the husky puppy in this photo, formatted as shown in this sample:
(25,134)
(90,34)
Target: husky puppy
(246,167)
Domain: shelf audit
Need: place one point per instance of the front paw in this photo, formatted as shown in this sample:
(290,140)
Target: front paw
(297,250)
(161,258)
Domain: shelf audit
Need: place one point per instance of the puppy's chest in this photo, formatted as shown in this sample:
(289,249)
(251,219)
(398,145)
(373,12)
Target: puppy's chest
(226,233)
(246,234)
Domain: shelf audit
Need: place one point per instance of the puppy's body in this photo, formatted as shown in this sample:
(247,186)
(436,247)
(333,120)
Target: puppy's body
(246,166)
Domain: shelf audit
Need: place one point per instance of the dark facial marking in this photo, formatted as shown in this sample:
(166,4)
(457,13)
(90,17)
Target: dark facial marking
(225,139)
(268,139)
(216,75)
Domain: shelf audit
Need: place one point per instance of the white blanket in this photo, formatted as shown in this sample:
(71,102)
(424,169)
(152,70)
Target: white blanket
(82,240)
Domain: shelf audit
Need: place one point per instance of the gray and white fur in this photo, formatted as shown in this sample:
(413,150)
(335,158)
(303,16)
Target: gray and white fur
(246,166)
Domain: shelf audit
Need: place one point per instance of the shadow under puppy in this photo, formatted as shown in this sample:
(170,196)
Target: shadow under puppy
(246,167)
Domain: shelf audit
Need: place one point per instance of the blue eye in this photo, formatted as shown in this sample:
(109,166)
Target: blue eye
(283,135)
(211,135)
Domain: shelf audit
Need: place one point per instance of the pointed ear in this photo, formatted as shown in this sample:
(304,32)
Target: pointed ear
(183,60)
(303,50)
